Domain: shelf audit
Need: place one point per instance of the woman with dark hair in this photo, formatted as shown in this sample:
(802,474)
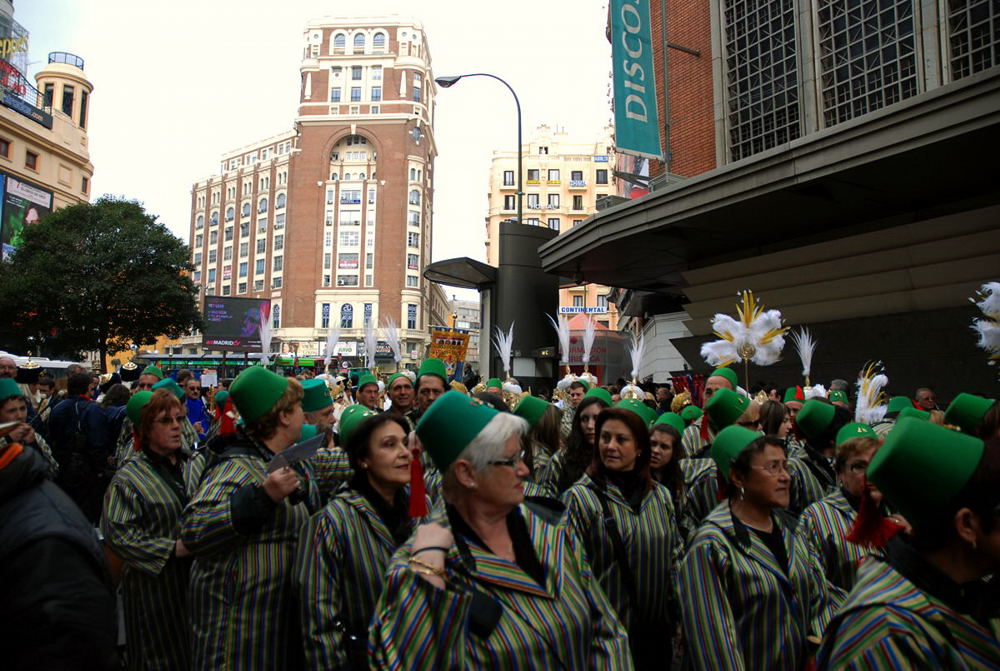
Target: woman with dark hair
(750,592)
(775,419)
(343,553)
(926,605)
(543,438)
(666,454)
(570,462)
(626,524)
(141,526)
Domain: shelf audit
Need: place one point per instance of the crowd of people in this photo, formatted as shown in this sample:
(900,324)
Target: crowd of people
(329,522)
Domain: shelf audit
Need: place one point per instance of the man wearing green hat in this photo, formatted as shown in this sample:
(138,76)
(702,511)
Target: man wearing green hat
(975,416)
(819,422)
(494,386)
(243,524)
(401,395)
(149,376)
(697,438)
(367,392)
(432,382)
(317,404)
(896,405)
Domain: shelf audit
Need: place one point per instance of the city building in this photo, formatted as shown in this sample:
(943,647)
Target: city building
(467,318)
(852,185)
(331,219)
(564,180)
(44,153)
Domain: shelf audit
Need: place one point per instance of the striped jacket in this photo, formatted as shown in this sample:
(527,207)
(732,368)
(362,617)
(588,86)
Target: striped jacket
(740,609)
(568,624)
(888,623)
(696,447)
(332,469)
(340,567)
(125,450)
(824,526)
(652,544)
(141,524)
(241,595)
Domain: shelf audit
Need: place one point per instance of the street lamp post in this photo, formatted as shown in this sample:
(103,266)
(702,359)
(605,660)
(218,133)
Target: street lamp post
(448,81)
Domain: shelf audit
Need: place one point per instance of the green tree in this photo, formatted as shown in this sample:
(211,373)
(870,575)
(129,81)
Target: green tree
(100,277)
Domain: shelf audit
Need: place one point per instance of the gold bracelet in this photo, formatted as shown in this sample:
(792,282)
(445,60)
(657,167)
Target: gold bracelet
(439,572)
(422,571)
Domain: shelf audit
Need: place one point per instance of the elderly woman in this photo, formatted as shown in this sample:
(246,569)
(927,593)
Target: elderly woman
(926,605)
(750,591)
(626,524)
(242,527)
(343,554)
(490,583)
(141,526)
(570,462)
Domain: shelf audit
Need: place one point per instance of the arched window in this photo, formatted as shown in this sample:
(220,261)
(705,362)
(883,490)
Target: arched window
(200,221)
(361,176)
(214,220)
(414,197)
(279,201)
(339,42)
(379,41)
(346,316)
(246,209)
(230,213)
(347,176)
(359,42)
(262,205)
(333,176)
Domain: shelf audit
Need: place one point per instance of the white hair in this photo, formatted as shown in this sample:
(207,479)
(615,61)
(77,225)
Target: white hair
(488,445)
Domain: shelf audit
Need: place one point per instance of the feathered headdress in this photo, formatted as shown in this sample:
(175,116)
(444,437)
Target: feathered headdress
(371,341)
(392,337)
(988,328)
(265,335)
(504,342)
(561,327)
(757,335)
(805,345)
(589,335)
(636,351)
(871,404)
(332,335)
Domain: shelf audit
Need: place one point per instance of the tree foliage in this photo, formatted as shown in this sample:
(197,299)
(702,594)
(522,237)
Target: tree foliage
(97,276)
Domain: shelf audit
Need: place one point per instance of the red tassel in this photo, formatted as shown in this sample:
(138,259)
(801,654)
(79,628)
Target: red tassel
(135,440)
(720,492)
(418,492)
(704,427)
(870,528)
(228,426)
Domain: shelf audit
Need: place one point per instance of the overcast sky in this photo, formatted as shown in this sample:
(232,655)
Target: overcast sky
(177,84)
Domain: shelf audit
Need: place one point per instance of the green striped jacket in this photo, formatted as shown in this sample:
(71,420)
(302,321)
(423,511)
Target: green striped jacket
(332,469)
(340,567)
(696,447)
(567,624)
(141,524)
(740,609)
(888,623)
(241,595)
(652,544)
(824,526)
(125,450)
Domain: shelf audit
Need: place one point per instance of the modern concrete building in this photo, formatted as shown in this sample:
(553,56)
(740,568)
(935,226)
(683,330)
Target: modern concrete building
(564,179)
(44,152)
(331,219)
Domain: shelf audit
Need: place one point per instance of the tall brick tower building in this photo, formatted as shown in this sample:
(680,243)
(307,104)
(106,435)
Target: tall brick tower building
(331,220)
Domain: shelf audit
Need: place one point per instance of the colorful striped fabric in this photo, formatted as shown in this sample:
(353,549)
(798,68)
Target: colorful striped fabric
(241,594)
(696,447)
(824,526)
(141,524)
(125,450)
(652,544)
(566,421)
(340,567)
(740,609)
(332,469)
(887,623)
(568,624)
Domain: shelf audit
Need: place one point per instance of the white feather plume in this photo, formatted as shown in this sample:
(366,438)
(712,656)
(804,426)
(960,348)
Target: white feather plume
(565,382)
(512,388)
(871,404)
(504,342)
(371,341)
(265,336)
(815,391)
(757,330)
(562,332)
(988,329)
(332,336)
(636,351)
(805,345)
(392,337)
(589,333)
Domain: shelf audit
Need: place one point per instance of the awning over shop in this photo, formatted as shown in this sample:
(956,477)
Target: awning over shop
(462,272)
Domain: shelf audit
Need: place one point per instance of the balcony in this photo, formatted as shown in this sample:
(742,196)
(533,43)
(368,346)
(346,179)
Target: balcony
(554,181)
(578,184)
(65,57)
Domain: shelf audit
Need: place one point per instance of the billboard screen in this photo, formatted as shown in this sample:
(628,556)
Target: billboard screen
(233,324)
(23,204)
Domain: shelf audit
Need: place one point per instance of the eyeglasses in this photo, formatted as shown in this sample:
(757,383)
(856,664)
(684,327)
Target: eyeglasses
(773,469)
(167,421)
(517,460)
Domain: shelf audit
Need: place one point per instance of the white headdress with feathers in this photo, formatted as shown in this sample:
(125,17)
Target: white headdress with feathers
(757,335)
(805,345)
(371,341)
(871,405)
(332,335)
(637,349)
(265,336)
(504,342)
(561,327)
(392,337)
(988,328)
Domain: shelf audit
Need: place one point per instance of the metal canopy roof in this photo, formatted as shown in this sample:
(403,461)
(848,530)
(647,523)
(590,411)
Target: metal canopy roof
(461,272)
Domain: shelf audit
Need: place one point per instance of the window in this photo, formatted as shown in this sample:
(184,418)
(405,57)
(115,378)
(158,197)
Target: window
(543,150)
(196,277)
(276,282)
(214,219)
(417,86)
(261,245)
(324,319)
(355,94)
(369,260)
(602,302)
(578,301)
(47,96)
(347,280)
(30,160)
(350,196)
(198,240)
(276,312)
(229,233)
(376,93)
(258,285)
(83,109)
(554,223)
(279,242)
(533,221)
(577,202)
(230,214)
(347,261)
(414,218)
(262,206)
(412,281)
(197,259)
(577,222)
(245,229)
(973,46)
(413,261)
(335,95)
(369,280)
(258,267)
(350,217)
(576,175)
(213,255)
(508,178)
(346,316)
(242,288)
(378,42)
(601,176)
(414,197)
(375,109)
(279,221)
(554,201)
(5,148)
(532,175)
(244,267)
(262,225)
(200,221)
(327,260)
(359,43)
(356,73)
(413,239)
(553,175)
(244,249)
(371,197)
(533,201)
(67,100)
(279,263)
(349,239)
(279,201)
(213,237)
(227,253)
(411,316)
(339,43)
(211,275)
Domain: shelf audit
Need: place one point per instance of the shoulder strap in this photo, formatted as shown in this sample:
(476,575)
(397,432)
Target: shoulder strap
(617,544)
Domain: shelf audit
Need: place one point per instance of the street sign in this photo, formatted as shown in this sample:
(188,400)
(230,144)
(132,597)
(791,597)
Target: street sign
(572,309)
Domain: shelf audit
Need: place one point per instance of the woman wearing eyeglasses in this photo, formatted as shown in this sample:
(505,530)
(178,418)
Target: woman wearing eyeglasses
(490,581)
(750,591)
(141,525)
(626,524)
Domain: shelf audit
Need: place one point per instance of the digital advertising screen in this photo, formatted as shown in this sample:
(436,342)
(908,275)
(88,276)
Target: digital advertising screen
(233,324)
(23,204)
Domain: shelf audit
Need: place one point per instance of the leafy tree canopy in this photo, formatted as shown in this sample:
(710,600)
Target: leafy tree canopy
(97,276)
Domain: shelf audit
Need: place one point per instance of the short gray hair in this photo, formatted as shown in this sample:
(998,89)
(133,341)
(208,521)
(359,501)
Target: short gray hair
(488,445)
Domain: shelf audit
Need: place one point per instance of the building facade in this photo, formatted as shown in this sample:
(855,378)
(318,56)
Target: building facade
(564,178)
(468,317)
(331,220)
(44,151)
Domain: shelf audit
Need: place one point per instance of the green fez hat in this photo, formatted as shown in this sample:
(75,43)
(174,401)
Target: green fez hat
(967,412)
(152,370)
(9,388)
(898,403)
(494,382)
(727,373)
(396,376)
(725,407)
(644,412)
(170,384)
(838,396)
(729,443)
(450,424)
(601,393)
(691,413)
(255,391)
(671,419)
(922,415)
(366,379)
(221,397)
(308,431)
(586,385)
(855,430)
(316,396)
(921,467)
(531,408)
(814,418)
(351,419)
(433,367)
(793,395)
(135,405)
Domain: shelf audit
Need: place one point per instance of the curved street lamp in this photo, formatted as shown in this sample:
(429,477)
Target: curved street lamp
(450,80)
